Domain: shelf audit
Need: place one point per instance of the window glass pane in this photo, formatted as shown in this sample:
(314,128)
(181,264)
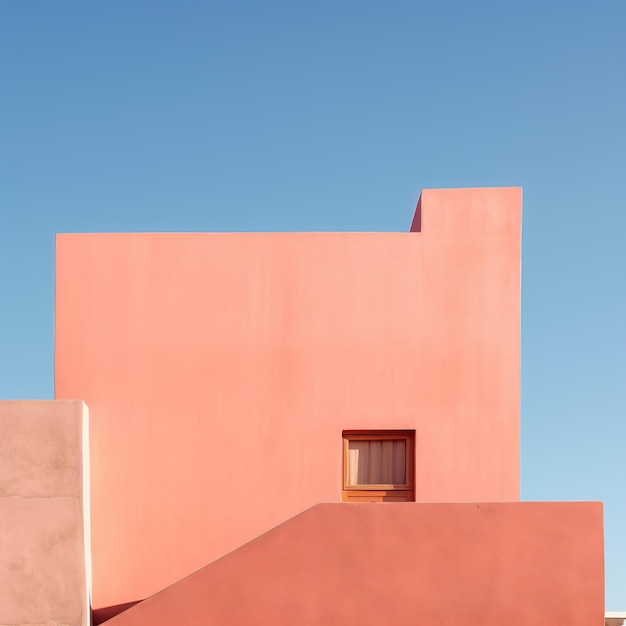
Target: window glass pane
(376,462)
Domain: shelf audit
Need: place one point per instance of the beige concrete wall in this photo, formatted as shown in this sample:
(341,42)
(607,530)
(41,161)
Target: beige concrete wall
(43,561)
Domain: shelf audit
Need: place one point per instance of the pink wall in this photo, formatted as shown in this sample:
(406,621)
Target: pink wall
(221,369)
(43,563)
(516,564)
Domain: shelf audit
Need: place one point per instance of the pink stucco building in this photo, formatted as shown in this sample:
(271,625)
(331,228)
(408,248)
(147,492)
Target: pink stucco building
(315,428)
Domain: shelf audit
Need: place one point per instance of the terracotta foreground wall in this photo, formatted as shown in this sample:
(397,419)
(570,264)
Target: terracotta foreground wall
(517,564)
(43,562)
(221,369)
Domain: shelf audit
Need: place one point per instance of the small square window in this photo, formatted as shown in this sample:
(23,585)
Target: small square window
(378,466)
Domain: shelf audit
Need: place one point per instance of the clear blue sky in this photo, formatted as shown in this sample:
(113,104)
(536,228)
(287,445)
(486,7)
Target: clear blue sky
(198,115)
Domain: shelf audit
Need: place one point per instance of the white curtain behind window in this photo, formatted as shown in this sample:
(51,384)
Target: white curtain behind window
(377,462)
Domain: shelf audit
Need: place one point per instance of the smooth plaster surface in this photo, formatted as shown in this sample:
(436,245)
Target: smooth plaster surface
(513,564)
(43,574)
(221,369)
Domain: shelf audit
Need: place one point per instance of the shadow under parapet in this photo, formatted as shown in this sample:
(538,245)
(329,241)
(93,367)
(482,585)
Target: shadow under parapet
(102,615)
(416,224)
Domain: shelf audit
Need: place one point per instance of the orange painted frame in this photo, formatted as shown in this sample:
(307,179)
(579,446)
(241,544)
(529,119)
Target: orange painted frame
(380,492)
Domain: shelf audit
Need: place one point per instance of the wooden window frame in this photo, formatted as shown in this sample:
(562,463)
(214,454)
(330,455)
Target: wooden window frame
(380,492)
